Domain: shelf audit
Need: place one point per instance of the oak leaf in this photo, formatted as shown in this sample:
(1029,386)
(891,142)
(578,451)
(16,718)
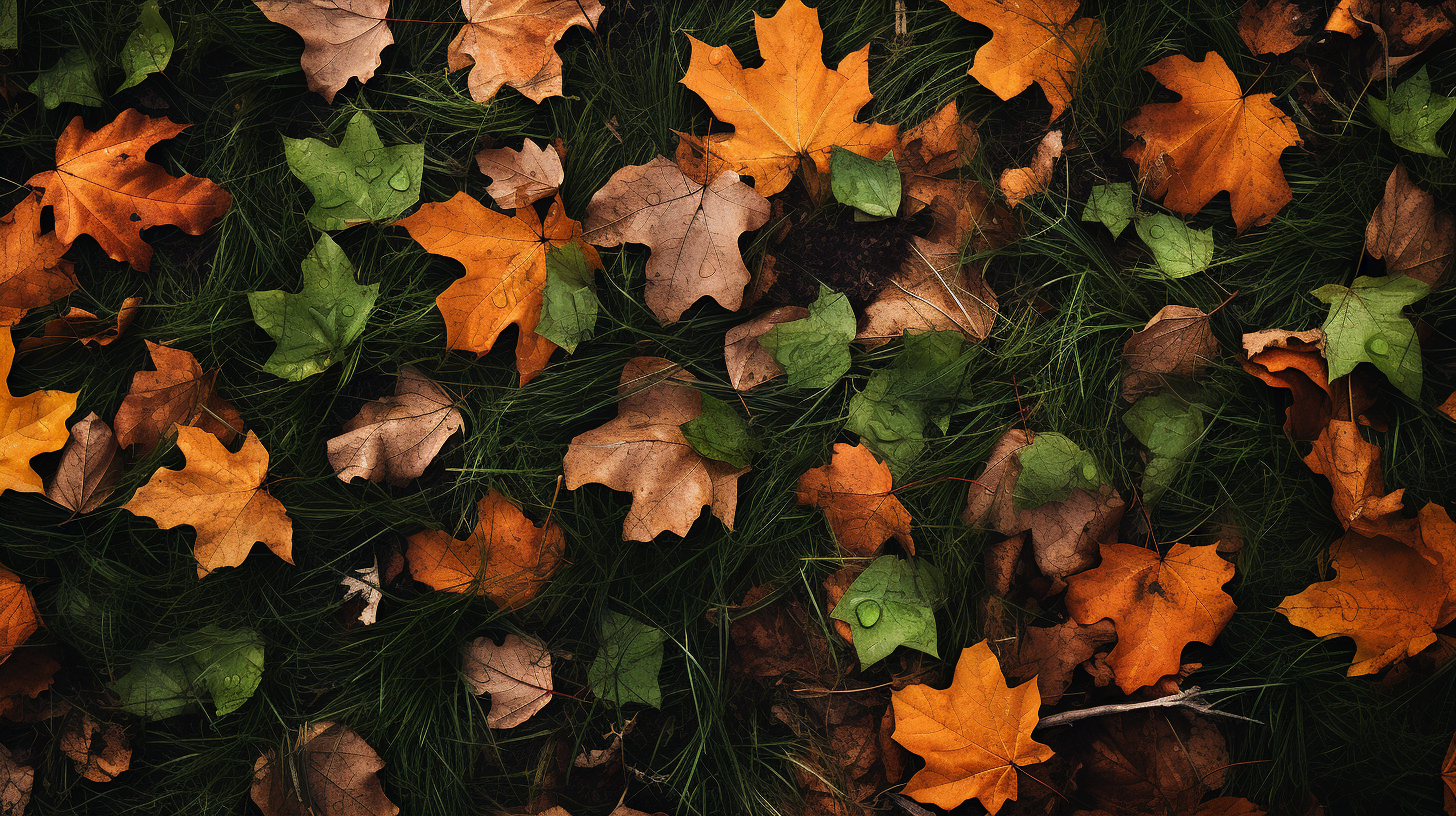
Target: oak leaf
(19,617)
(395,438)
(78,741)
(516,674)
(336,769)
(749,364)
(80,326)
(1408,232)
(855,491)
(1177,342)
(104,186)
(364,583)
(521,177)
(513,42)
(342,39)
(974,736)
(89,466)
(178,392)
(791,108)
(932,291)
(29,426)
(643,451)
(32,271)
(1021,183)
(1274,26)
(506,558)
(1213,139)
(1031,41)
(1158,604)
(220,495)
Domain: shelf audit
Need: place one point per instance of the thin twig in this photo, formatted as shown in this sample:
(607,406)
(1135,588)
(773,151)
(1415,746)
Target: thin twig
(1191,698)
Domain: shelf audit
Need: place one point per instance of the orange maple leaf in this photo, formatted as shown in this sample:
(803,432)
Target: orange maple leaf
(32,271)
(104,186)
(1159,605)
(29,426)
(1352,466)
(1213,139)
(179,392)
(1032,41)
(792,107)
(505,271)
(853,490)
(342,39)
(513,42)
(506,558)
(974,735)
(19,617)
(221,496)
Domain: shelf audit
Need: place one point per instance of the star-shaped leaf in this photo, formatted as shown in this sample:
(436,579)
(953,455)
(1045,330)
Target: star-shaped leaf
(627,664)
(315,326)
(1414,114)
(855,492)
(513,42)
(1365,325)
(342,39)
(892,603)
(359,181)
(815,350)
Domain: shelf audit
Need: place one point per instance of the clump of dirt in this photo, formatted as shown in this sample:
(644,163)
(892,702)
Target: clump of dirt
(854,257)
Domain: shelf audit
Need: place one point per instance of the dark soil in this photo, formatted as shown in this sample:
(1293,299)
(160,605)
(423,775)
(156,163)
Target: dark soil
(830,247)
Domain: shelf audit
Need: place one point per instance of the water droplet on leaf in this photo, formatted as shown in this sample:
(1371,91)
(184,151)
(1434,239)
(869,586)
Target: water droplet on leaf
(400,181)
(868,613)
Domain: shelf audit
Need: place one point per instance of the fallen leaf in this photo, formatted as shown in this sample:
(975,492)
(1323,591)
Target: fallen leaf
(29,426)
(1273,26)
(569,302)
(314,327)
(1030,42)
(921,386)
(1178,249)
(1052,466)
(178,392)
(793,107)
(1166,759)
(961,212)
(516,674)
(359,181)
(891,604)
(855,491)
(32,271)
(104,186)
(97,763)
(16,781)
(835,586)
(939,144)
(627,664)
(1112,206)
(393,439)
(336,769)
(692,230)
(1413,114)
(775,639)
(643,451)
(1158,604)
(720,433)
(1449,407)
(1295,360)
(1170,429)
(965,756)
(933,291)
(521,177)
(506,558)
(749,364)
(1176,343)
(1021,183)
(364,583)
(1408,232)
(814,351)
(872,187)
(71,79)
(79,325)
(24,675)
(513,42)
(19,617)
(342,39)
(221,496)
(1366,325)
(1448,776)
(149,47)
(1216,139)
(89,467)
(171,678)
(1051,653)
(1405,28)
(1352,466)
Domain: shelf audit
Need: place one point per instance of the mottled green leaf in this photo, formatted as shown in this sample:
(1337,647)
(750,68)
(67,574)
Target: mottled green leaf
(720,433)
(155,689)
(9,23)
(1178,250)
(814,351)
(169,679)
(71,79)
(1365,325)
(873,187)
(892,603)
(1110,204)
(626,667)
(1052,466)
(1413,114)
(919,388)
(569,305)
(1170,429)
(149,48)
(360,180)
(316,325)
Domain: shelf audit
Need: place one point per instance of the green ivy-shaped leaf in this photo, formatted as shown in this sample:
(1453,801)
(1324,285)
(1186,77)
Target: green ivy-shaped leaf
(720,433)
(814,351)
(1170,429)
(1052,466)
(1413,114)
(1365,325)
(1178,249)
(359,181)
(626,666)
(71,79)
(316,325)
(872,187)
(918,389)
(892,603)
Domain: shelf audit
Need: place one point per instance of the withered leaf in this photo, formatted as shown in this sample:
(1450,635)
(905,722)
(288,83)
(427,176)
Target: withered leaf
(516,674)
(88,468)
(1167,759)
(1352,466)
(32,271)
(1021,183)
(1274,26)
(177,392)
(521,177)
(1407,231)
(749,363)
(364,584)
(1176,343)
(939,144)
(97,762)
(932,291)
(342,39)
(19,617)
(16,781)
(855,492)
(335,767)
(513,42)
(395,438)
(775,639)
(80,326)
(1052,653)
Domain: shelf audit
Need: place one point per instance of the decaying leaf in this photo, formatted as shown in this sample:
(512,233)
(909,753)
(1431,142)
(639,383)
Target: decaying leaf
(104,186)
(643,451)
(1352,466)
(513,42)
(855,492)
(32,271)
(1366,324)
(80,326)
(178,392)
(29,426)
(342,39)
(1051,653)
(937,145)
(521,177)
(89,466)
(364,583)
(19,617)
(516,674)
(24,675)
(1403,29)
(749,363)
(1021,183)
(220,494)
(933,291)
(961,211)
(395,438)
(328,771)
(1177,343)
(775,639)
(1295,360)
(1164,758)
(1274,26)
(16,781)
(97,762)
(507,558)
(1408,232)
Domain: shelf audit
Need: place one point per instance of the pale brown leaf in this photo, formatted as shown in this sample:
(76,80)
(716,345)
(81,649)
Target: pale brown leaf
(88,468)
(16,781)
(513,42)
(1407,231)
(100,752)
(342,39)
(749,363)
(1020,183)
(337,769)
(394,439)
(516,674)
(521,177)
(933,291)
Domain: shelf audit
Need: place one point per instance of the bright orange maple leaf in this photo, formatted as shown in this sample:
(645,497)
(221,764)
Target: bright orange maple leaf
(29,426)
(506,558)
(1211,140)
(854,492)
(104,186)
(791,108)
(32,271)
(973,736)
(19,617)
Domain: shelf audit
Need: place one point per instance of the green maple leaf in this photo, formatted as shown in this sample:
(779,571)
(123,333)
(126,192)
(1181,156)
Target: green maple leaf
(1170,429)
(892,603)
(919,388)
(1413,114)
(1052,466)
(814,351)
(569,302)
(149,48)
(315,326)
(872,187)
(1365,325)
(71,79)
(626,667)
(360,180)
(1178,249)
(720,433)
(1110,204)
(169,679)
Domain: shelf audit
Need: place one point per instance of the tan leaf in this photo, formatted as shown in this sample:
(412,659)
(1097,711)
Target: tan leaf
(29,426)
(749,363)
(16,781)
(643,451)
(521,177)
(364,584)
(506,558)
(513,42)
(342,39)
(933,291)
(961,212)
(1176,343)
(855,492)
(939,144)
(335,767)
(32,271)
(1273,26)
(516,674)
(1020,183)
(80,326)
(1052,653)
(177,392)
(97,762)
(394,439)
(1409,233)
(692,229)
(89,467)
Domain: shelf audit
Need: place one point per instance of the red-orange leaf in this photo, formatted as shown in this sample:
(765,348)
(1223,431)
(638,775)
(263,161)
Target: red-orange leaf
(180,392)
(19,617)
(854,492)
(507,558)
(32,272)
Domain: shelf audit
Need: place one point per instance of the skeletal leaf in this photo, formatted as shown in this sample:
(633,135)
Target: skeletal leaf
(359,181)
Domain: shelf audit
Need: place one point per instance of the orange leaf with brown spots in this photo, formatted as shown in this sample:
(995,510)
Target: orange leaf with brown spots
(32,271)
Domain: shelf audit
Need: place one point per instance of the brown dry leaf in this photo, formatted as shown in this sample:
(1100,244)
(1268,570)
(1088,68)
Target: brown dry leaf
(1159,605)
(937,145)
(521,177)
(961,212)
(1176,343)
(337,769)
(775,639)
(1352,466)
(1031,41)
(1052,653)
(104,186)
(32,271)
(692,230)
(1021,183)
(933,291)
(791,108)
(29,426)
(749,363)
(394,439)
(178,392)
(89,467)
(516,674)
(1273,26)
(506,558)
(221,496)
(24,675)
(855,492)
(513,42)
(846,723)
(364,584)
(1404,28)
(342,39)
(80,326)
(1166,759)
(1407,231)
(1213,139)
(101,752)
(16,781)
(643,451)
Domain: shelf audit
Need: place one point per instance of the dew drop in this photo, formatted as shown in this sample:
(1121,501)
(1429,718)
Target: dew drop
(348,311)
(868,613)
(1156,231)
(715,56)
(654,199)
(400,181)
(1377,346)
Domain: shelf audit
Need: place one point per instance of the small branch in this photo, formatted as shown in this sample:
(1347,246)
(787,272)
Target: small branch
(1191,698)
